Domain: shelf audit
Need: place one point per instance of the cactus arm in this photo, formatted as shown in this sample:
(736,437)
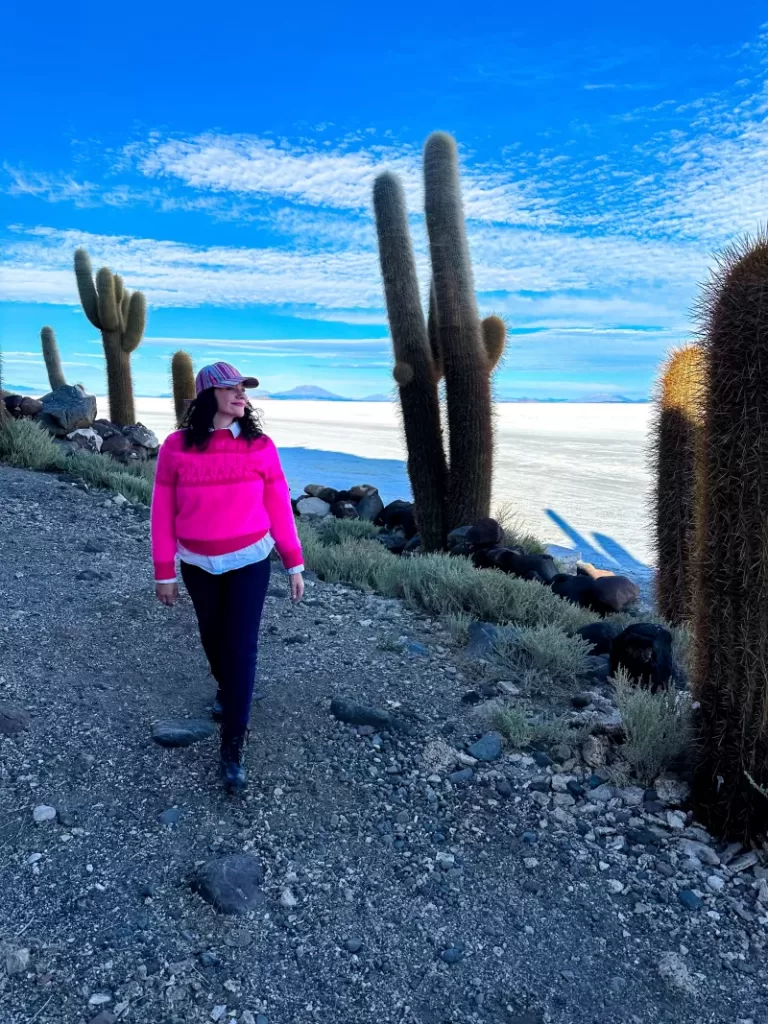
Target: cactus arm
(434,334)
(414,367)
(135,322)
(86,288)
(494,337)
(105,289)
(52,358)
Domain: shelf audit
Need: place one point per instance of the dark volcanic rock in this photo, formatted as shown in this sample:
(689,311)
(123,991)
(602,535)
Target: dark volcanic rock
(487,748)
(644,651)
(485,533)
(601,635)
(66,409)
(370,506)
(13,720)
(181,732)
(342,509)
(359,714)
(231,884)
(398,514)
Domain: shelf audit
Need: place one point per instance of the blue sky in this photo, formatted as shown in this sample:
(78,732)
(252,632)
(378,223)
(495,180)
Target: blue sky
(223,161)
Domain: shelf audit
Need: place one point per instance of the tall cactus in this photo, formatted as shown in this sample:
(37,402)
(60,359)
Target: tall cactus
(730,678)
(415,370)
(52,358)
(3,410)
(676,439)
(182,383)
(120,315)
(465,363)
(453,343)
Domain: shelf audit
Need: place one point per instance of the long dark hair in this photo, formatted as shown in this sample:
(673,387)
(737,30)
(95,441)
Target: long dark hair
(197,423)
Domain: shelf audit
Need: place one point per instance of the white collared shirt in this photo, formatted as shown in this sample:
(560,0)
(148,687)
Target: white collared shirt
(218,564)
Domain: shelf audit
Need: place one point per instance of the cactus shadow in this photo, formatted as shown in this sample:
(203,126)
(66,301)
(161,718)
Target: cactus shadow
(603,550)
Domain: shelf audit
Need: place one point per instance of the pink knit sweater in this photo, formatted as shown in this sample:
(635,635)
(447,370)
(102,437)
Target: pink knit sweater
(220,500)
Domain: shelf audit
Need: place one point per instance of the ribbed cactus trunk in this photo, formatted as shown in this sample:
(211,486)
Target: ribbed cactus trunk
(120,315)
(415,370)
(182,383)
(730,673)
(676,442)
(52,358)
(465,363)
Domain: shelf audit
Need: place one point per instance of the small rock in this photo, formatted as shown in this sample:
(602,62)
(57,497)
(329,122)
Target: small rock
(504,788)
(673,971)
(43,812)
(105,1017)
(600,794)
(487,748)
(460,777)
(231,883)
(675,820)
(17,961)
(445,860)
(182,732)
(353,945)
(287,899)
(218,1011)
(632,796)
(615,886)
(313,507)
(594,750)
(452,955)
(699,851)
(542,759)
(715,883)
(170,817)
(672,791)
(13,720)
(359,714)
(689,899)
(99,999)
(747,860)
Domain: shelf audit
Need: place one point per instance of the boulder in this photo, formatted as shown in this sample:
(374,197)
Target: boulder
(601,635)
(68,448)
(398,514)
(370,506)
(231,884)
(30,407)
(66,409)
(312,507)
(458,537)
(115,443)
(360,491)
(515,562)
(343,510)
(105,429)
(329,494)
(616,593)
(644,651)
(462,549)
(134,453)
(13,405)
(13,720)
(87,439)
(141,437)
(605,595)
(413,547)
(485,533)
(396,541)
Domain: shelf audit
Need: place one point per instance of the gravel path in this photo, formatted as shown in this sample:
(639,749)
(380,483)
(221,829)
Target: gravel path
(390,894)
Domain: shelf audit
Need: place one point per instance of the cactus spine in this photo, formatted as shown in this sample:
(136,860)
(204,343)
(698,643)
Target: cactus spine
(676,441)
(730,679)
(52,359)
(453,344)
(182,383)
(415,370)
(120,315)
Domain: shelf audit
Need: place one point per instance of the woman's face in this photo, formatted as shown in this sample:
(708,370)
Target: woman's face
(231,401)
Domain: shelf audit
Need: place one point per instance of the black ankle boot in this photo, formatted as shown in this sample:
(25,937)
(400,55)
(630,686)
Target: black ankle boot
(232,755)
(217,708)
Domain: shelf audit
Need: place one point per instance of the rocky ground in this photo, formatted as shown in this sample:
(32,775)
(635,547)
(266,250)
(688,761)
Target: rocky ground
(385,874)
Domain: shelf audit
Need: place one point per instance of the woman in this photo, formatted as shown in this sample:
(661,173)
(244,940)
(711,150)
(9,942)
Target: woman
(221,503)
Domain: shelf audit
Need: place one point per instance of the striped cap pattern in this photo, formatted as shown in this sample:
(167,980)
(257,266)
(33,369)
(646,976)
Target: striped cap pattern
(222,375)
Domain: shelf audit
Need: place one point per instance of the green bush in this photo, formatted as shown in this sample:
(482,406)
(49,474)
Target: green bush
(458,625)
(657,727)
(548,648)
(336,531)
(26,445)
(515,533)
(514,726)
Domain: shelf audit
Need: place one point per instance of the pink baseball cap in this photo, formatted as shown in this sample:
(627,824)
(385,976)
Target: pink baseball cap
(222,375)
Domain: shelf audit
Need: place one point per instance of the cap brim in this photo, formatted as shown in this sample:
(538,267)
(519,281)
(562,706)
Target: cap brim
(249,382)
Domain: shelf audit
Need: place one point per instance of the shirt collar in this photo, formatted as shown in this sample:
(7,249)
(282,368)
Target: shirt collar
(234,428)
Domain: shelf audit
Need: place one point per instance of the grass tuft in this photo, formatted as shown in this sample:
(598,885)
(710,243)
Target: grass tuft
(515,533)
(548,649)
(337,531)
(657,726)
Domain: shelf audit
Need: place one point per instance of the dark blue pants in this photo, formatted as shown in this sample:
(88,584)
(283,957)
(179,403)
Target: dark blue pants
(228,609)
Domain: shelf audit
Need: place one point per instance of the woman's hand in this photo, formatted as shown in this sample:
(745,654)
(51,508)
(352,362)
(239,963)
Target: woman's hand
(297,586)
(167,593)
